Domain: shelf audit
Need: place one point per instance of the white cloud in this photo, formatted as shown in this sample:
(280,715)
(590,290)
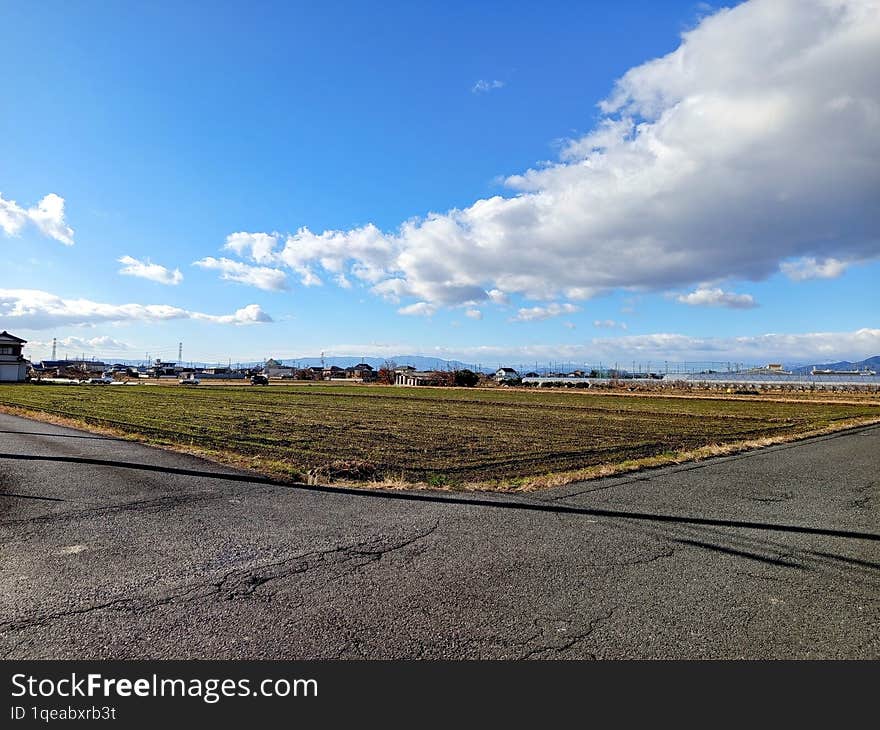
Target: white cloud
(148,270)
(78,345)
(609,324)
(261,277)
(715,297)
(35,309)
(250,314)
(259,246)
(473,314)
(536,314)
(419,309)
(756,141)
(482,86)
(47,216)
(813,268)
(791,348)
(99,346)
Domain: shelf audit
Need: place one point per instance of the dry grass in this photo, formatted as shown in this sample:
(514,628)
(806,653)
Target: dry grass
(447,439)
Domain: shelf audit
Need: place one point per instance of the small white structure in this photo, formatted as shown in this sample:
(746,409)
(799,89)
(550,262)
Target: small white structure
(414,377)
(13,366)
(504,374)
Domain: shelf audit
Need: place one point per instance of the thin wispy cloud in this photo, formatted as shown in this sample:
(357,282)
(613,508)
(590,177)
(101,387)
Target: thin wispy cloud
(609,324)
(538,314)
(482,86)
(813,268)
(419,309)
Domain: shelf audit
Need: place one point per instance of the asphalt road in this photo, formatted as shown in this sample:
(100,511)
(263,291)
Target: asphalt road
(115,550)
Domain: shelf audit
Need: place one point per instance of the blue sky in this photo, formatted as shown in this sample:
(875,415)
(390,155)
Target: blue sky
(684,208)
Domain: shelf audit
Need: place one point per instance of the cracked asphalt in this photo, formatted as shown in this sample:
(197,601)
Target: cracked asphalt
(112,549)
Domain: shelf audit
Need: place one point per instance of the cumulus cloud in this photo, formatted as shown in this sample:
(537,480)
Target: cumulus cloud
(35,309)
(259,246)
(147,270)
(47,216)
(716,297)
(473,314)
(536,314)
(812,268)
(250,314)
(756,141)
(262,277)
(482,86)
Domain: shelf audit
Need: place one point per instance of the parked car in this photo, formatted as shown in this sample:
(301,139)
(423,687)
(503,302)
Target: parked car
(259,380)
(189,380)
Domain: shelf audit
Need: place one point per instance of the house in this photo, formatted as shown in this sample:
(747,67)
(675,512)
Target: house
(219,370)
(362,371)
(83,366)
(162,369)
(279,371)
(13,366)
(506,374)
(415,377)
(332,371)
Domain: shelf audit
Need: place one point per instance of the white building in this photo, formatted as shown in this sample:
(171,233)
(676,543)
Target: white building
(13,367)
(414,377)
(504,374)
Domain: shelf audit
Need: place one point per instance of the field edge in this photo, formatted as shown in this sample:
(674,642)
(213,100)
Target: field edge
(279,471)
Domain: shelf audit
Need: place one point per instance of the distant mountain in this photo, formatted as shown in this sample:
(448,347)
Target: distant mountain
(419,362)
(872,363)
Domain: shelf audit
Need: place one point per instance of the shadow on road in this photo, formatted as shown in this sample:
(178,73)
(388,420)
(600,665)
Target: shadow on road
(65,435)
(496,503)
(31,496)
(739,553)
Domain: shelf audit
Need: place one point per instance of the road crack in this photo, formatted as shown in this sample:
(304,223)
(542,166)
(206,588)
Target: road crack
(549,647)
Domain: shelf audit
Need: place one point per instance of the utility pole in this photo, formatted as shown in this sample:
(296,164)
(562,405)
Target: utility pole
(179,352)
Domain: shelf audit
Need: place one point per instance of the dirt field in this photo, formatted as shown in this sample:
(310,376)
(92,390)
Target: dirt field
(445,438)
